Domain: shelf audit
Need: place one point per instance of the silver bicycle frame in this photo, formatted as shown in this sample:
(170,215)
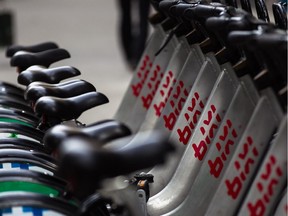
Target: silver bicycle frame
(221,151)
(168,86)
(281,209)
(192,109)
(141,73)
(150,106)
(270,179)
(253,143)
(140,107)
(178,187)
(180,91)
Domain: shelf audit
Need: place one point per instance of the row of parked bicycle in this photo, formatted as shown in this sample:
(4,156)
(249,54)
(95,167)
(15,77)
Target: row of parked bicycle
(211,88)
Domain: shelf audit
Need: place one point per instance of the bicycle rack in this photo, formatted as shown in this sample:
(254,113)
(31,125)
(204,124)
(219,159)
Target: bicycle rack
(212,79)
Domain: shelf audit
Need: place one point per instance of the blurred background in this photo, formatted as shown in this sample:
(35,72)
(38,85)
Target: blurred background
(88,30)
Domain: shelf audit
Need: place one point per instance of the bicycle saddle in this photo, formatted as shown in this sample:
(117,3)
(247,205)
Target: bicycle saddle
(6,87)
(101,132)
(68,108)
(14,104)
(11,50)
(62,90)
(23,60)
(51,75)
(84,164)
(18,117)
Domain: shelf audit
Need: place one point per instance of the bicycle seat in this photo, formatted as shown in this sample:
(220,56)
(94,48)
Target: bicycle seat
(51,75)
(101,132)
(18,117)
(62,90)
(44,58)
(11,50)
(84,164)
(6,87)
(68,108)
(14,104)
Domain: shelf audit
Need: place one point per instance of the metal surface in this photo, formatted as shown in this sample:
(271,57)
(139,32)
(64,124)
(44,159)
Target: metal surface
(204,83)
(140,75)
(220,153)
(282,207)
(178,187)
(270,179)
(168,86)
(254,141)
(156,90)
(150,87)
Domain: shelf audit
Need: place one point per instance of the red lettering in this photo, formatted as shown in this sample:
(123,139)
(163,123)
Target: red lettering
(234,187)
(245,148)
(167,79)
(184,135)
(227,146)
(136,89)
(216,166)
(159,108)
(268,170)
(257,209)
(147,100)
(170,120)
(178,90)
(210,114)
(155,73)
(272,184)
(200,150)
(193,104)
(211,130)
(248,163)
(195,116)
(225,130)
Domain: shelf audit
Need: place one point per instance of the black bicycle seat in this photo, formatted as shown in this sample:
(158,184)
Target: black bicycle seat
(62,90)
(44,58)
(18,117)
(84,164)
(68,108)
(11,50)
(6,87)
(101,132)
(51,75)
(14,104)
(280,14)
(18,97)
(11,92)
